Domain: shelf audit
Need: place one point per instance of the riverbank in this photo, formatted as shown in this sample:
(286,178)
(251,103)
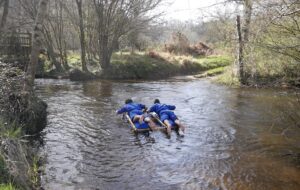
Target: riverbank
(142,65)
(229,77)
(154,65)
(22,117)
(159,65)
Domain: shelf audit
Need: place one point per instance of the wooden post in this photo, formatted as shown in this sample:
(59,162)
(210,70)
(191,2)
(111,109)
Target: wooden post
(131,123)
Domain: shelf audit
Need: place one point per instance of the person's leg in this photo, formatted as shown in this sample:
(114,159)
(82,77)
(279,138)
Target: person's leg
(141,119)
(151,124)
(181,127)
(164,117)
(169,126)
(175,119)
(136,116)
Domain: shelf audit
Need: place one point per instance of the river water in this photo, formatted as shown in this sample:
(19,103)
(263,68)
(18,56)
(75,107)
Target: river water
(235,138)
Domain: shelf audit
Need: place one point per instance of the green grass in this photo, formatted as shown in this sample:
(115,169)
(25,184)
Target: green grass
(141,66)
(74,60)
(144,65)
(11,130)
(225,60)
(4,175)
(228,77)
(212,72)
(161,65)
(34,171)
(263,68)
(8,186)
(216,71)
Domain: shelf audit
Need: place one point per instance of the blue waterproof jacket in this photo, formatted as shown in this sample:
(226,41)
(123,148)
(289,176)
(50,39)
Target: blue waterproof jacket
(130,108)
(158,108)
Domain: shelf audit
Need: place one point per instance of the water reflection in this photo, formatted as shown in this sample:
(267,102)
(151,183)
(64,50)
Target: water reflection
(96,89)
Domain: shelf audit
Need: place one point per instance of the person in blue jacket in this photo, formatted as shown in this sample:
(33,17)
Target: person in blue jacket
(136,114)
(167,116)
(132,109)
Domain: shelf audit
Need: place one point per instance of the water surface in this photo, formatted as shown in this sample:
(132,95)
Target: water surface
(235,138)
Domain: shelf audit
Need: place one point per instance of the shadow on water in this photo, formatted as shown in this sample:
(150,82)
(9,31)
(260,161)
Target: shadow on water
(234,138)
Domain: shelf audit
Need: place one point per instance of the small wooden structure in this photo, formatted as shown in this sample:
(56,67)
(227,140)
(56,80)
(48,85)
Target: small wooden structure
(15,46)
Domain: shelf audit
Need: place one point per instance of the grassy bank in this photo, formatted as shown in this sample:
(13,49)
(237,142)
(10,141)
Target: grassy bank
(228,77)
(154,65)
(264,73)
(262,70)
(4,174)
(8,186)
(22,116)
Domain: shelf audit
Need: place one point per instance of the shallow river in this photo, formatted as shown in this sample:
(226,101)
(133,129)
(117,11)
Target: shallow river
(235,138)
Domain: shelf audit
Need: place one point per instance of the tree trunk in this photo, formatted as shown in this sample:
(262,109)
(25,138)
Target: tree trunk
(240,50)
(51,54)
(53,57)
(65,56)
(105,59)
(36,45)
(82,36)
(61,39)
(4,15)
(105,53)
(247,17)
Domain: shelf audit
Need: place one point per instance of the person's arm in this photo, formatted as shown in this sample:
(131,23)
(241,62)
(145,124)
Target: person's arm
(122,110)
(151,109)
(171,107)
(142,106)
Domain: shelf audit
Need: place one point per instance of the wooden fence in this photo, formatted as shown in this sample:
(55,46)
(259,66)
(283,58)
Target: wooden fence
(15,45)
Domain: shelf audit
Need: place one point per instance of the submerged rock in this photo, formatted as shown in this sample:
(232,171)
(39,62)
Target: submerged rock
(78,75)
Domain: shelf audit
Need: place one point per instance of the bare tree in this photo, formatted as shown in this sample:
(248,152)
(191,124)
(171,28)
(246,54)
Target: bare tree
(115,19)
(82,35)
(281,25)
(53,33)
(36,44)
(91,31)
(59,33)
(54,36)
(243,35)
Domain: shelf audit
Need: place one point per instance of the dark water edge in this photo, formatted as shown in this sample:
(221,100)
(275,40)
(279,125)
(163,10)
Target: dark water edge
(236,138)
